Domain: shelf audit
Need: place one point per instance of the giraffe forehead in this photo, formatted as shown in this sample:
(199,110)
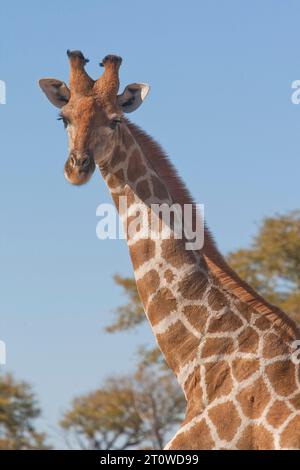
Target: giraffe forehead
(84,108)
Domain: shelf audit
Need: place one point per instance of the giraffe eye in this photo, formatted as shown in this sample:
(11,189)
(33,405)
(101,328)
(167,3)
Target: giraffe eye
(64,120)
(114,122)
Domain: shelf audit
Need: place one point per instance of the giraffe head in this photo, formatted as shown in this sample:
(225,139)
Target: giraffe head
(91,112)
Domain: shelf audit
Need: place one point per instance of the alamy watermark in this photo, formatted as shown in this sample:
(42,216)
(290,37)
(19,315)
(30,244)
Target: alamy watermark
(2,343)
(295,97)
(156,221)
(2,353)
(2,92)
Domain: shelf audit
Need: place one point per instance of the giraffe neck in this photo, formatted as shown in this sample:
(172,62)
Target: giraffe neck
(233,363)
(171,279)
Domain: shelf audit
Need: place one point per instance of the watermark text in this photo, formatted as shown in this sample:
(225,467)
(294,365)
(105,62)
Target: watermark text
(2,92)
(156,221)
(2,353)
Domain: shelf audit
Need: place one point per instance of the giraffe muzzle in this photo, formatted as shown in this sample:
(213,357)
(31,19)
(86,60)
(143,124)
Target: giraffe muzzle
(79,167)
(80,161)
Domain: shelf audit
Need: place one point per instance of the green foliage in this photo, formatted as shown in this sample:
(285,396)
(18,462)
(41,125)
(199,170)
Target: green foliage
(160,404)
(151,356)
(134,411)
(272,263)
(18,410)
(104,419)
(132,314)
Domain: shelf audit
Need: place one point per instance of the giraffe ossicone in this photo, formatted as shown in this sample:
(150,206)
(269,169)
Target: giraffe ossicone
(230,349)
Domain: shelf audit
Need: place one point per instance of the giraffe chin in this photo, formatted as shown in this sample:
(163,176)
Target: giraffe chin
(78,178)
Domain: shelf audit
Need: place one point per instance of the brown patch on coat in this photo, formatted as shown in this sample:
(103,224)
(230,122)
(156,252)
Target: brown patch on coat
(143,190)
(179,345)
(226,420)
(147,285)
(263,323)
(159,189)
(127,139)
(282,377)
(193,392)
(248,340)
(254,398)
(290,436)
(217,346)
(218,379)
(169,276)
(278,413)
(193,286)
(274,346)
(256,437)
(197,438)
(136,167)
(216,299)
(227,322)
(197,316)
(161,305)
(141,252)
(116,179)
(295,401)
(117,157)
(245,310)
(244,368)
(174,253)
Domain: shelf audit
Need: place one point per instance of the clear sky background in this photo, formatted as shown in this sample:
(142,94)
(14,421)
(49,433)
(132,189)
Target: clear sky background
(220,104)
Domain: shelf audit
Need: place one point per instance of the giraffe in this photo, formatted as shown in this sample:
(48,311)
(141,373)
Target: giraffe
(231,351)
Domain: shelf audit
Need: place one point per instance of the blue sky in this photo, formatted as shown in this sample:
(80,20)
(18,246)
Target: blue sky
(220,104)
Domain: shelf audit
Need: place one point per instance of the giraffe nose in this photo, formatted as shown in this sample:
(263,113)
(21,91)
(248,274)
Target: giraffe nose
(80,160)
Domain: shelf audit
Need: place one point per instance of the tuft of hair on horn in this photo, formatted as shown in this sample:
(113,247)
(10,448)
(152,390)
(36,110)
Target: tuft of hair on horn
(77,55)
(111,59)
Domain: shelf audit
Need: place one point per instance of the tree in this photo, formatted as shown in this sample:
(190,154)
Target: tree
(160,404)
(18,410)
(134,411)
(104,419)
(132,314)
(272,263)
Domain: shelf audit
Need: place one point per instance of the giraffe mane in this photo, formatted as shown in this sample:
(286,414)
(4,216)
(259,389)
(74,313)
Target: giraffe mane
(215,261)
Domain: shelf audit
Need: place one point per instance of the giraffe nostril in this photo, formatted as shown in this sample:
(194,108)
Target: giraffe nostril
(72,160)
(85,162)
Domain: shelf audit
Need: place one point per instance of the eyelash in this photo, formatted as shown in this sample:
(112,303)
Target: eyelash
(113,124)
(64,120)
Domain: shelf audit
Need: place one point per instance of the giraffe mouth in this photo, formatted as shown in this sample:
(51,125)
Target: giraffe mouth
(79,175)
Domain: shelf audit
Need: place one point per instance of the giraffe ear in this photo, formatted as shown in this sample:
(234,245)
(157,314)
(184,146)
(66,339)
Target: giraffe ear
(56,91)
(133,96)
